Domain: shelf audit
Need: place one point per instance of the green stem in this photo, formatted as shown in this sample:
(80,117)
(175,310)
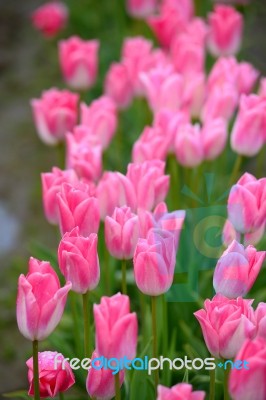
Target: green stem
(212,384)
(106,271)
(35,370)
(165,336)
(235,171)
(61,396)
(86,318)
(117,387)
(61,154)
(175,187)
(143,318)
(226,377)
(75,320)
(124,276)
(242,239)
(154,334)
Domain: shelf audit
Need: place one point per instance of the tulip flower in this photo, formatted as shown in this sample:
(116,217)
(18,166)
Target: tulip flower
(55,374)
(51,185)
(101,118)
(79,62)
(116,328)
(194,94)
(141,8)
(151,145)
(247,205)
(50,18)
(230,234)
(248,134)
(237,270)
(181,391)
(226,324)
(188,146)
(226,29)
(154,262)
(78,260)
(188,54)
(214,136)
(77,207)
(149,182)
(118,85)
(247,77)
(55,114)
(115,190)
(221,102)
(40,301)
(249,383)
(260,318)
(100,382)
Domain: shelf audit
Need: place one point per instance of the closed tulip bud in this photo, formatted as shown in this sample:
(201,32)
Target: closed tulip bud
(100,382)
(141,8)
(226,30)
(237,270)
(50,18)
(79,62)
(151,145)
(55,374)
(260,318)
(226,324)
(84,154)
(194,94)
(181,391)
(40,301)
(149,183)
(122,233)
(214,136)
(188,55)
(55,114)
(78,260)
(101,118)
(118,85)
(249,383)
(188,146)
(247,204)
(163,88)
(154,262)
(247,77)
(51,185)
(248,134)
(115,190)
(230,234)
(116,327)
(221,102)
(78,208)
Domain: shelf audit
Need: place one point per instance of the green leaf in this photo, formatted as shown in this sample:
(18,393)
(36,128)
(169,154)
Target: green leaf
(18,394)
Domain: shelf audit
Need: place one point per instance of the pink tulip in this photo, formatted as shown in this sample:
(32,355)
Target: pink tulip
(77,207)
(188,146)
(169,123)
(221,102)
(237,269)
(230,234)
(79,61)
(101,118)
(226,29)
(137,57)
(141,8)
(262,88)
(247,77)
(151,145)
(115,190)
(260,318)
(78,260)
(100,383)
(181,391)
(83,155)
(247,204)
(163,89)
(188,55)
(50,18)
(248,135)
(51,185)
(214,136)
(154,262)
(40,301)
(184,7)
(194,94)
(197,30)
(226,324)
(116,328)
(55,114)
(121,233)
(55,374)
(249,383)
(118,85)
(149,182)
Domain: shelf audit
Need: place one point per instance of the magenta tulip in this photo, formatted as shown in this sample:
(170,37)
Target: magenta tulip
(40,301)
(50,18)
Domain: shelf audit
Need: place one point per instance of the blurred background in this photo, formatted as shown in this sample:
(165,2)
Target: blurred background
(29,65)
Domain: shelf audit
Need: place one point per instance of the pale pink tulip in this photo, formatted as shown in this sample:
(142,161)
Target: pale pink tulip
(141,8)
(188,146)
(214,136)
(181,391)
(151,145)
(118,85)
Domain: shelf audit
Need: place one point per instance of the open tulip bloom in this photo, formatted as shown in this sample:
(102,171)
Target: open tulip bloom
(147,173)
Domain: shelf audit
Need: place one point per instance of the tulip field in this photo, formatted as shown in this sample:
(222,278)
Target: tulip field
(153,286)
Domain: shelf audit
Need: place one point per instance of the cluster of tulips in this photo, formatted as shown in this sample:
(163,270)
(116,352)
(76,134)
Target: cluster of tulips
(192,112)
